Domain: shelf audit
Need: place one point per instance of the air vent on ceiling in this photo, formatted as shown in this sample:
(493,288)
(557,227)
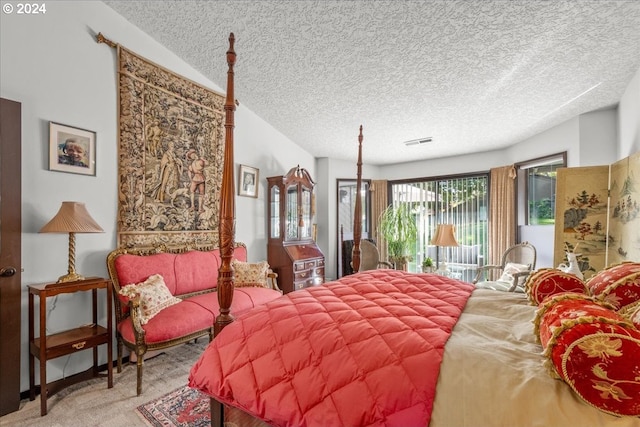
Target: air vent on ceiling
(418,141)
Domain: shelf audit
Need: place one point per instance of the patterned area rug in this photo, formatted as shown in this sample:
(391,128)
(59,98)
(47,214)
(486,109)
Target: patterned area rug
(182,407)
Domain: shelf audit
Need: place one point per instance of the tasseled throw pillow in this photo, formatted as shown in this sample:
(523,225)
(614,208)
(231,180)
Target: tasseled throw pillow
(153,294)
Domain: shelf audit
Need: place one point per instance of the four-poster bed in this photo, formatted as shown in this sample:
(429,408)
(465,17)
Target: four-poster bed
(357,211)
(227,225)
(381,347)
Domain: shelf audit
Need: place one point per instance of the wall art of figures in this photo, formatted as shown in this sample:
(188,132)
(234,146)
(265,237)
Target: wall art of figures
(170,157)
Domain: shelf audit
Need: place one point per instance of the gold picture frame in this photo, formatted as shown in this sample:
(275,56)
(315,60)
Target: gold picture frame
(72,149)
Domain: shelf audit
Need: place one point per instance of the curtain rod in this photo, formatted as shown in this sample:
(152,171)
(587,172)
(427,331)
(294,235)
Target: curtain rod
(102,39)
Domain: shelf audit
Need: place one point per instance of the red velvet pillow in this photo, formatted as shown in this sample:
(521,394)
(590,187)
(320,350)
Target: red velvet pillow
(618,284)
(594,350)
(632,313)
(550,281)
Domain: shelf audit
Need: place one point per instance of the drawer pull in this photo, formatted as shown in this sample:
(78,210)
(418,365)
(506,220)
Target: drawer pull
(79,345)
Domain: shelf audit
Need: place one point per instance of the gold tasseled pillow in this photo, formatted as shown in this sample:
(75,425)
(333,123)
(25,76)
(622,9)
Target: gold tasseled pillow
(250,274)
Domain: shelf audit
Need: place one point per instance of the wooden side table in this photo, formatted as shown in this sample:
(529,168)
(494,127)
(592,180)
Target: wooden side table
(46,347)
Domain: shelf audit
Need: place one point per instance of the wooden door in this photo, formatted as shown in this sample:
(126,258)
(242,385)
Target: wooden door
(10,235)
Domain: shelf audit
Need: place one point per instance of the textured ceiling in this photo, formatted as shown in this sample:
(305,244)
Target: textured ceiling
(474,75)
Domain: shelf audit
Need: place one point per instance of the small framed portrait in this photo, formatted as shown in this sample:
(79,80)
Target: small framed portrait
(72,149)
(248,181)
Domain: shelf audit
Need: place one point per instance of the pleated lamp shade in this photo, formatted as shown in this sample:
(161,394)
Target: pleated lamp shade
(445,235)
(72,218)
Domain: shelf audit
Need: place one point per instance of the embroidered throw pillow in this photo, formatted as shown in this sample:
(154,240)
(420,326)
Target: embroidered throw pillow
(250,274)
(550,281)
(594,350)
(618,284)
(512,268)
(632,312)
(153,294)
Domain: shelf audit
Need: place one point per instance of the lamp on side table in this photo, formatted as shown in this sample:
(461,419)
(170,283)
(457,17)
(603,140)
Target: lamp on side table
(72,218)
(445,236)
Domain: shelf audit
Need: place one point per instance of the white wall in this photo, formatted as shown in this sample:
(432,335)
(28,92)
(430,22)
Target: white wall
(598,137)
(470,163)
(629,119)
(52,65)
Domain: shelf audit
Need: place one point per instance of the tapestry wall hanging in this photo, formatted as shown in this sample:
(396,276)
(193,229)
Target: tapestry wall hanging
(170,157)
(598,210)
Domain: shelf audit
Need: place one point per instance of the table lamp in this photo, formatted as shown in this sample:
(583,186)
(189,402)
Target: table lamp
(72,218)
(445,236)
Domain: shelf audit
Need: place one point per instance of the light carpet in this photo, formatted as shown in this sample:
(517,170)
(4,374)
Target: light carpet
(91,403)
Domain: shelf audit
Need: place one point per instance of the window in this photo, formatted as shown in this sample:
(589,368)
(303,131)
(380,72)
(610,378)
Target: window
(461,201)
(539,181)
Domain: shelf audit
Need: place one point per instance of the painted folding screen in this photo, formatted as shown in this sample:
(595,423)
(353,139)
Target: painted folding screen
(598,209)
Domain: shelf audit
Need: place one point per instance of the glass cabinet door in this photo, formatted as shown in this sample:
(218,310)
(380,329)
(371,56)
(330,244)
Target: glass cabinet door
(305,226)
(275,212)
(291,213)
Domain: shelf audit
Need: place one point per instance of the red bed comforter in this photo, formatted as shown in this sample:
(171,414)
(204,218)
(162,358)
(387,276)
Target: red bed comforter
(364,350)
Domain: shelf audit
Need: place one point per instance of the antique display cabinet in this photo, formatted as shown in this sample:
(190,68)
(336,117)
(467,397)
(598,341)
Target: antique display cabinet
(291,251)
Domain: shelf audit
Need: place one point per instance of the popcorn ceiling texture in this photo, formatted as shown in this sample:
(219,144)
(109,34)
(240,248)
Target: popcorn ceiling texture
(475,75)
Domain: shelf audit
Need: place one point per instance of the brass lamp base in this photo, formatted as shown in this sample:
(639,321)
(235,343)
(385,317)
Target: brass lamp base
(71,277)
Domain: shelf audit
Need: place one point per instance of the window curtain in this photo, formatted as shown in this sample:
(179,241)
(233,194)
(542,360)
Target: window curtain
(379,203)
(502,219)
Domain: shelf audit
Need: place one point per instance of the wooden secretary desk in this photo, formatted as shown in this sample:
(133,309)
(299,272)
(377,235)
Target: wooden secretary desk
(291,251)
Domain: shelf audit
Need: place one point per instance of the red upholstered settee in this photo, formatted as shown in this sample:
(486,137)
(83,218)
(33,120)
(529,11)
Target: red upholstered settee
(187,311)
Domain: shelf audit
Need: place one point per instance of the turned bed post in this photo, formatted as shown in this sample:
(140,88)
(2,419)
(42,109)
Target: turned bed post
(226,230)
(227,226)
(357,215)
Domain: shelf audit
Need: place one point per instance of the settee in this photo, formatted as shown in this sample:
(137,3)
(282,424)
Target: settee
(164,297)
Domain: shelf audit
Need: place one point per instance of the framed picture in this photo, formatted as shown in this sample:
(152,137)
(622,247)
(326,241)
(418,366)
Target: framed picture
(248,181)
(72,149)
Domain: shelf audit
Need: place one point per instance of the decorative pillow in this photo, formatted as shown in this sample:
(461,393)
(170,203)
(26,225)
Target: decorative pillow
(534,276)
(594,350)
(618,284)
(552,312)
(632,313)
(250,274)
(512,268)
(153,294)
(549,281)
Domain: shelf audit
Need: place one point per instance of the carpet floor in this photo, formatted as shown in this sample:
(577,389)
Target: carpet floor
(91,403)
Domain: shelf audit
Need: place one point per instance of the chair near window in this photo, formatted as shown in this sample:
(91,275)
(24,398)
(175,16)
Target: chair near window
(370,257)
(517,263)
